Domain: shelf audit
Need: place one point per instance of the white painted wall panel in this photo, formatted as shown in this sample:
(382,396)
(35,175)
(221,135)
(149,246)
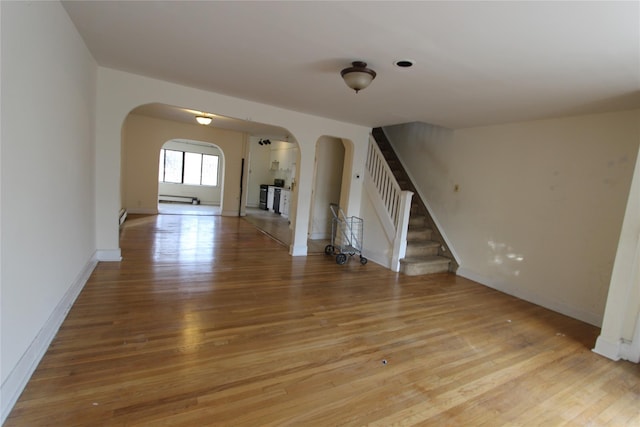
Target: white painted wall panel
(47,194)
(540,204)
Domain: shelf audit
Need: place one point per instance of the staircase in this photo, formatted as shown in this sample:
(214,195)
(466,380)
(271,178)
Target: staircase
(427,251)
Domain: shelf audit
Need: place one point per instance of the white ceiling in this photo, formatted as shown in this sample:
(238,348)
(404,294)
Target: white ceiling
(188,115)
(476,63)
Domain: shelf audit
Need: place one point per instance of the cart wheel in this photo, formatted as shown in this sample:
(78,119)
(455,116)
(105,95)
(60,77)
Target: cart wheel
(329,250)
(341,259)
(363,260)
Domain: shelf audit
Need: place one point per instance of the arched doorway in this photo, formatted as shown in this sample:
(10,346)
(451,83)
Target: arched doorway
(327,186)
(190,178)
(272,179)
(146,130)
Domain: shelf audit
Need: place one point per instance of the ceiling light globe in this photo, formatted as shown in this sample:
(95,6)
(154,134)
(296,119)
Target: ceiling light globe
(358,76)
(203,120)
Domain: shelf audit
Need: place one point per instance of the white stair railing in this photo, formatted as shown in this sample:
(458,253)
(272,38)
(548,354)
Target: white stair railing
(394,204)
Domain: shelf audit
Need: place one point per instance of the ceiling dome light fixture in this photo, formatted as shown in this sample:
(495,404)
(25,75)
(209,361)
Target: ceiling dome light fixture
(203,120)
(358,76)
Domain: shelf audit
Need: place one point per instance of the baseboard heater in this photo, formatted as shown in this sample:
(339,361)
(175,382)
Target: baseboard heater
(179,199)
(123,216)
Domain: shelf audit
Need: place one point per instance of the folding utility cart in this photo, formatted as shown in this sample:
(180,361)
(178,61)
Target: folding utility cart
(346,236)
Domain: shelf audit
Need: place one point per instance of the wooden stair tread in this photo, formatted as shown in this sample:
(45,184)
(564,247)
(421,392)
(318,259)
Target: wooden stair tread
(433,259)
(423,243)
(418,231)
(426,264)
(418,225)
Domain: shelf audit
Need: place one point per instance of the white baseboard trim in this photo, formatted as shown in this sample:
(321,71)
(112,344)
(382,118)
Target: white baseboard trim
(594,319)
(320,236)
(630,351)
(607,348)
(109,255)
(378,257)
(299,250)
(18,378)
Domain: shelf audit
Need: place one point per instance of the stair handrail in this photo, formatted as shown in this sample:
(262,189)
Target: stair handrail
(397,202)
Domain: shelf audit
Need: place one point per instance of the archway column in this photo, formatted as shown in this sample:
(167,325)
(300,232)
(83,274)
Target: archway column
(620,334)
(306,145)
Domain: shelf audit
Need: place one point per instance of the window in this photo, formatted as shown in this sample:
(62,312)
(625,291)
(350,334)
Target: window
(192,168)
(209,170)
(180,167)
(173,166)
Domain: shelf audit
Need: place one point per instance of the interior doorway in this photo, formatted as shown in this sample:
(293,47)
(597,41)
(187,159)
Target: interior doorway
(327,186)
(272,170)
(190,178)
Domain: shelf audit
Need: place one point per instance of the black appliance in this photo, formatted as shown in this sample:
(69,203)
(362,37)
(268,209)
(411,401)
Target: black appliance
(276,199)
(278,182)
(264,190)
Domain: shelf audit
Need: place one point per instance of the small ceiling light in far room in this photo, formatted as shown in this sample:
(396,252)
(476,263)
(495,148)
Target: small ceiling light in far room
(358,76)
(203,120)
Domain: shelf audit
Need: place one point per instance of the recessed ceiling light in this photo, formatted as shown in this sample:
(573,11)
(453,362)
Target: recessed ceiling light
(404,63)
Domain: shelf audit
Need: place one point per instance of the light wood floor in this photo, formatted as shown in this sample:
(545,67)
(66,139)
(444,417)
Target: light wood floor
(207,321)
(187,209)
(278,227)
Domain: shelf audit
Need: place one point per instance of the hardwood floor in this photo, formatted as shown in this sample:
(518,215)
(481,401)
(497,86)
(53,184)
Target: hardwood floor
(278,227)
(188,209)
(207,321)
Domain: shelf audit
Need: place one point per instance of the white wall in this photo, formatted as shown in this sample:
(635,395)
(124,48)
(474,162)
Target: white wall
(47,193)
(120,92)
(376,246)
(286,154)
(540,204)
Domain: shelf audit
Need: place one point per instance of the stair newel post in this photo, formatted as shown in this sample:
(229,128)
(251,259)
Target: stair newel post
(400,240)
